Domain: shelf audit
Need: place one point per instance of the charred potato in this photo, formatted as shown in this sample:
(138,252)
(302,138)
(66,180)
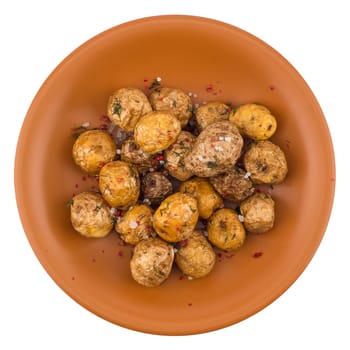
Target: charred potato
(215,150)
(176,217)
(90,215)
(210,113)
(136,224)
(174,100)
(233,185)
(126,106)
(92,149)
(156,131)
(258,212)
(225,231)
(156,187)
(119,184)
(151,262)
(266,163)
(195,256)
(254,121)
(208,200)
(175,155)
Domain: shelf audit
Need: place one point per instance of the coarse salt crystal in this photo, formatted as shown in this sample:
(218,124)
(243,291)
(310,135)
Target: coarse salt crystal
(175,250)
(151,170)
(218,148)
(161,162)
(227,138)
(196,105)
(221,138)
(190,277)
(112,211)
(159,79)
(241,218)
(146,201)
(200,158)
(189,94)
(133,224)
(247,175)
(85,125)
(195,95)
(119,151)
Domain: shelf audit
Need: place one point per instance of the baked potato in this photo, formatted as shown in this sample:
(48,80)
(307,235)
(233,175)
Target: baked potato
(156,187)
(156,131)
(195,256)
(266,163)
(176,217)
(92,149)
(135,224)
(174,100)
(210,113)
(216,150)
(151,262)
(175,155)
(90,215)
(208,200)
(258,212)
(119,184)
(225,231)
(254,121)
(126,106)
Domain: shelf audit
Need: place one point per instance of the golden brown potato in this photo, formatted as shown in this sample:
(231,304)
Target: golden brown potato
(215,150)
(92,149)
(225,231)
(174,100)
(208,200)
(176,217)
(266,163)
(258,212)
(254,121)
(151,262)
(210,113)
(132,153)
(233,185)
(119,184)
(156,131)
(90,215)
(195,256)
(156,187)
(175,155)
(136,224)
(126,106)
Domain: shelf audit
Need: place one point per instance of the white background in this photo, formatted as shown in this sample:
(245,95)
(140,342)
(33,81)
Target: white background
(36,36)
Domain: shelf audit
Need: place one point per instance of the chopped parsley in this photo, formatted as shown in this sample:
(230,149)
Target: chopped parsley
(117,108)
(212,165)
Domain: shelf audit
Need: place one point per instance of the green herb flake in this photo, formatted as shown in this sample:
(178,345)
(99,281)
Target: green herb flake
(212,165)
(70,203)
(117,108)
(155,83)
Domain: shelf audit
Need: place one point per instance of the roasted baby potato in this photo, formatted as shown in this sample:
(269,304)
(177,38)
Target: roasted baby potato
(176,217)
(266,163)
(151,262)
(195,256)
(119,184)
(225,231)
(92,149)
(126,106)
(259,212)
(156,187)
(210,113)
(254,121)
(175,155)
(215,150)
(136,224)
(174,100)
(234,185)
(90,215)
(156,131)
(208,200)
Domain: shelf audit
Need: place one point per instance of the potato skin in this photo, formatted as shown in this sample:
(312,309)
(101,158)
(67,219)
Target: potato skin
(119,184)
(174,100)
(90,215)
(176,217)
(258,212)
(233,185)
(126,106)
(156,131)
(208,200)
(225,231)
(195,256)
(136,224)
(175,156)
(92,149)
(156,187)
(210,113)
(254,121)
(151,262)
(266,163)
(215,150)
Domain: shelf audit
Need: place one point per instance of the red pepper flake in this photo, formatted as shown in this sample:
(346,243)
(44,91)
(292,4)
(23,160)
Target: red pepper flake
(257,254)
(83,178)
(103,127)
(160,157)
(76,185)
(189,304)
(102,251)
(181,277)
(120,253)
(177,228)
(73,278)
(209,88)
(101,164)
(145,80)
(183,243)
(272,88)
(104,119)
(93,260)
(219,255)
(229,256)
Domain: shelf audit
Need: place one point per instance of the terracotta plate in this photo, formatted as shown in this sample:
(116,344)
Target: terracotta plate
(215,61)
